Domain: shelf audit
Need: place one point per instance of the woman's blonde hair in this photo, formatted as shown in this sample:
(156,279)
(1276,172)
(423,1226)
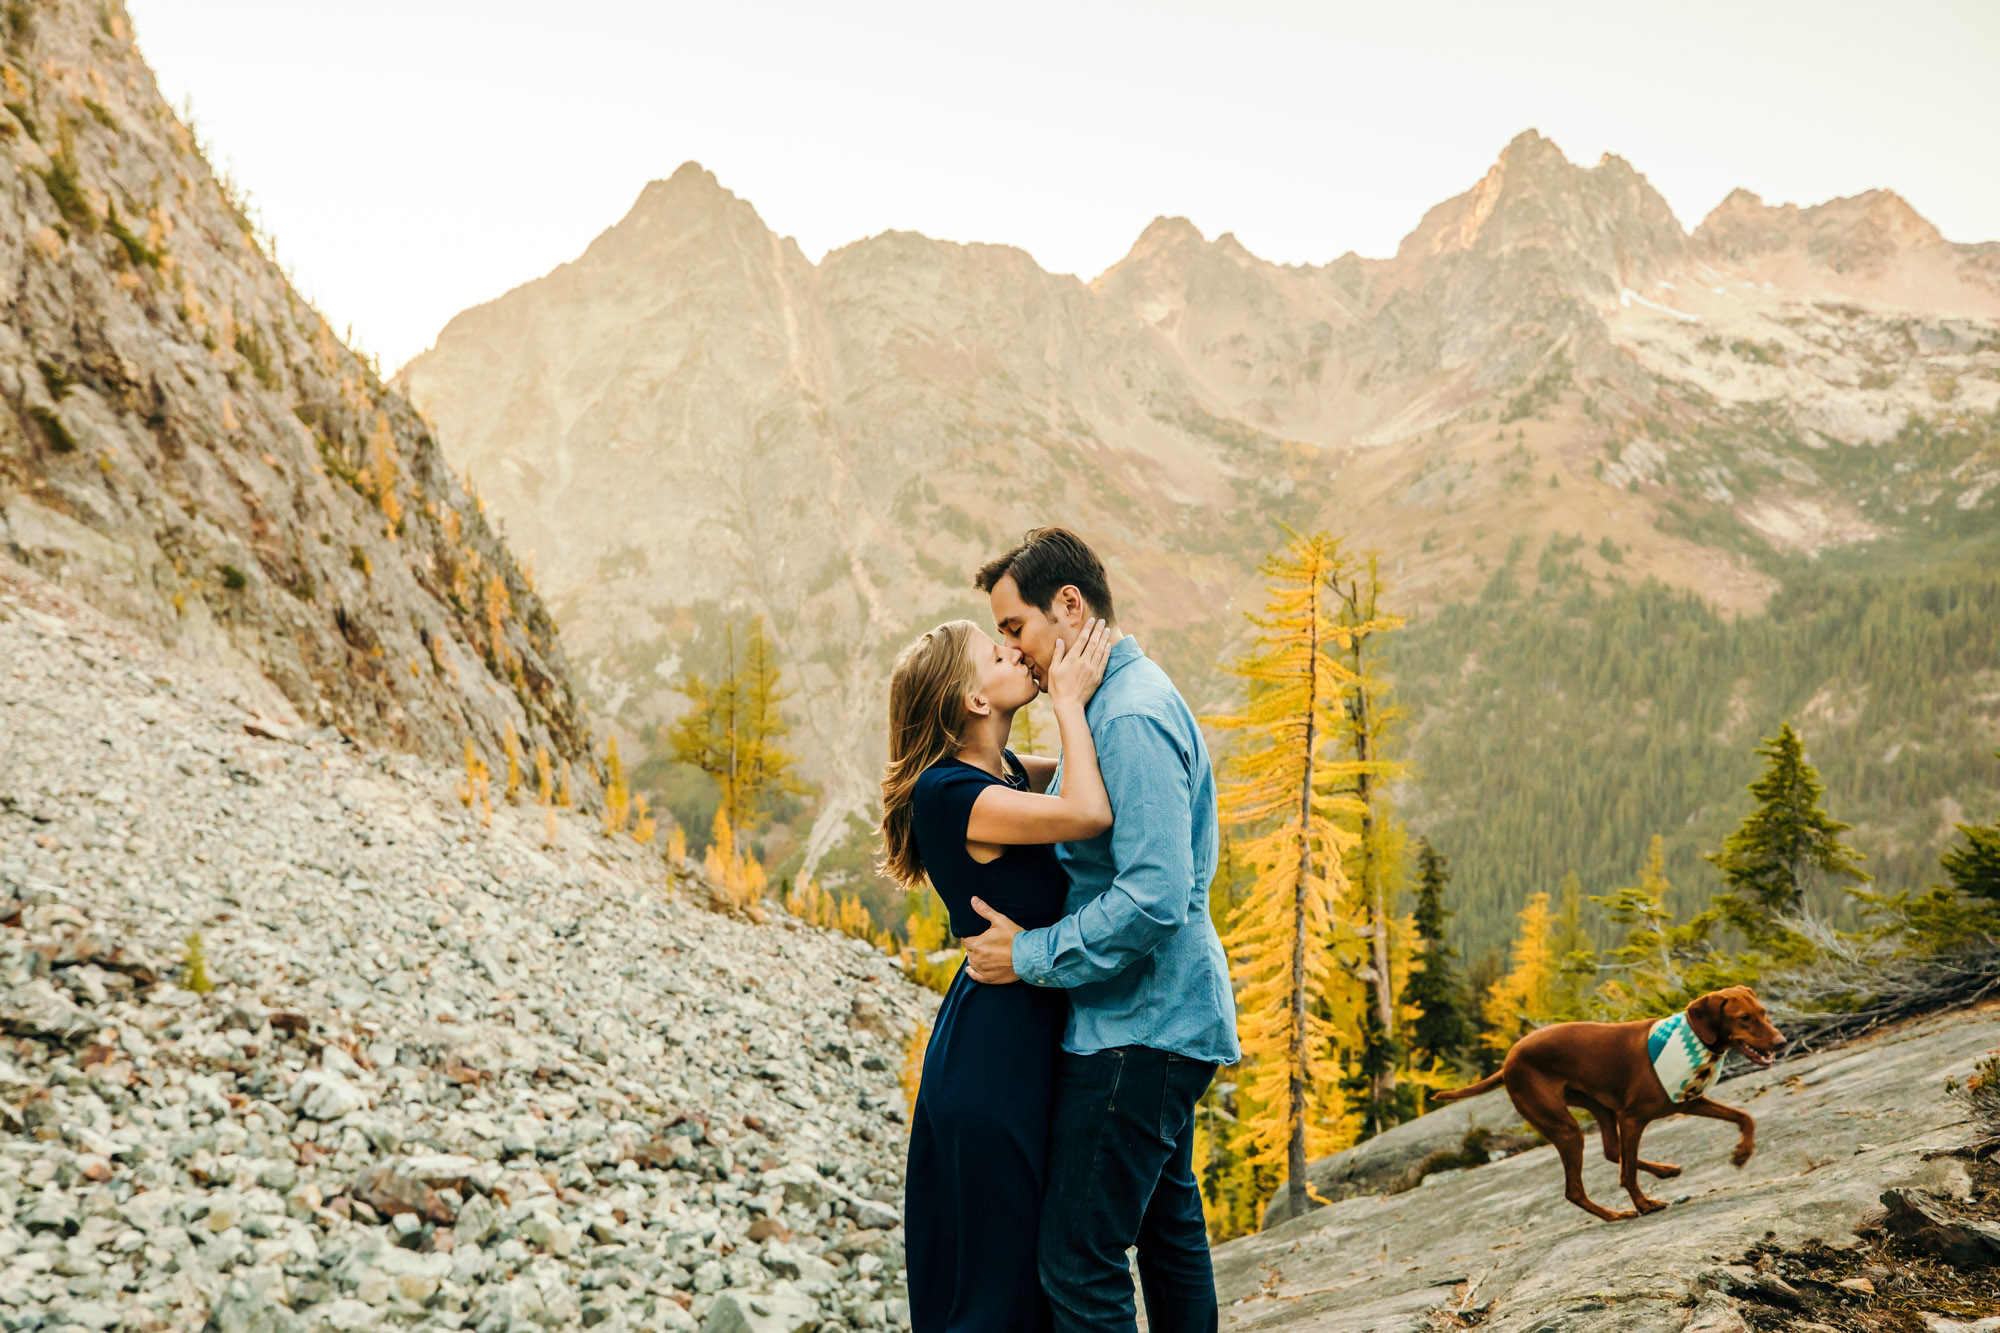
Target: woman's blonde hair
(927,720)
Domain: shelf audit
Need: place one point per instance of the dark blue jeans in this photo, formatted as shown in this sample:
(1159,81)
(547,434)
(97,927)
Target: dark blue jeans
(1121,1173)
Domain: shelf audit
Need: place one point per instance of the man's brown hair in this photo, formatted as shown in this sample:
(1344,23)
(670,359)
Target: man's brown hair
(1047,561)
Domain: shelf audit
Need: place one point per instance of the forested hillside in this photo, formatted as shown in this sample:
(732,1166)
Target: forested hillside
(1563,717)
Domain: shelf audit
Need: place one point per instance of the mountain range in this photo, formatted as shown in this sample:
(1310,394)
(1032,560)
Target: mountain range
(691,422)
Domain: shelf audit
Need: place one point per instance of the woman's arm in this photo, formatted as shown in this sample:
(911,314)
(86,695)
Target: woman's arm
(1041,772)
(1083,810)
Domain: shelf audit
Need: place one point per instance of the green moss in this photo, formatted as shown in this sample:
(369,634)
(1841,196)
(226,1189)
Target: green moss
(234,579)
(99,114)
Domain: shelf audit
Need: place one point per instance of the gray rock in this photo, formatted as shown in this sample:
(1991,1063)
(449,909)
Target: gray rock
(761,1312)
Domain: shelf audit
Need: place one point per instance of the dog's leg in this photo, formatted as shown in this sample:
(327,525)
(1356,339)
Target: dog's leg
(1629,1131)
(1607,1123)
(1540,1102)
(1746,1142)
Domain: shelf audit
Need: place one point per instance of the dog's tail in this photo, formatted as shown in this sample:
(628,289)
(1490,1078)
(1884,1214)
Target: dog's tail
(1487,1084)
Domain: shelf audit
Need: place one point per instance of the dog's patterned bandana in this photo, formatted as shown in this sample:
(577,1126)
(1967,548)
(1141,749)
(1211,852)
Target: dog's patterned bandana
(1684,1066)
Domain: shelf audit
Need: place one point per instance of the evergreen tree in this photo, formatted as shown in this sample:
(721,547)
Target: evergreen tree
(1784,847)
(1441,1029)
(1974,868)
(1281,795)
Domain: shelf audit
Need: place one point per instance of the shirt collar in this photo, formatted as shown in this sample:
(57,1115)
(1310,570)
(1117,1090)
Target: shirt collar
(1123,653)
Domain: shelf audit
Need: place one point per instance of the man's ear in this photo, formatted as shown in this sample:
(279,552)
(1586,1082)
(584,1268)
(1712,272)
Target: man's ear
(1705,1017)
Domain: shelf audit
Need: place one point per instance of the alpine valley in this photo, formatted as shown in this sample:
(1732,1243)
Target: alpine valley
(1642,492)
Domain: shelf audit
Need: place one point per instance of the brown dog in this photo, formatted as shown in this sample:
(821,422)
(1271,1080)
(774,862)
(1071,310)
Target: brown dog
(1607,1070)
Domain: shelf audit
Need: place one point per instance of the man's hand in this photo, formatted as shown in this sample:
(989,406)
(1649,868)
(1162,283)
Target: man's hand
(989,957)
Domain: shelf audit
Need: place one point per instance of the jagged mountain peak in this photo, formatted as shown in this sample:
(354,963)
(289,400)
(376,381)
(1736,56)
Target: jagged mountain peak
(1854,233)
(1607,216)
(690,206)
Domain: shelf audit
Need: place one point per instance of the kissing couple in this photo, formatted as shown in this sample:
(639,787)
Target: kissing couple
(1054,1127)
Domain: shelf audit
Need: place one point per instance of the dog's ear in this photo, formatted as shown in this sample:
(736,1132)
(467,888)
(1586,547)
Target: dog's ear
(1705,1017)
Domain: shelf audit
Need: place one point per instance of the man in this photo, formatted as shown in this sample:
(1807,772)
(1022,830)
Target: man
(1151,1012)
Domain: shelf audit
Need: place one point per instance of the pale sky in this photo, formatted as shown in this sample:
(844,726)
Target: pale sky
(415,157)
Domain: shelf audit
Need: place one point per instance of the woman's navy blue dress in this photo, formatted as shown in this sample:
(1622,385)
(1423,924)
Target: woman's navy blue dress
(979,1138)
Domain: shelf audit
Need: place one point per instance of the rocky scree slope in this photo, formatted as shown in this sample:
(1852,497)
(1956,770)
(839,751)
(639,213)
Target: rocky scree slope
(448,1075)
(691,419)
(185,442)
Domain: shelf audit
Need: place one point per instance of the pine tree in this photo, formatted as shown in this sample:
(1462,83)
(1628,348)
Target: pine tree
(1974,868)
(1784,847)
(1441,1029)
(1523,998)
(1365,771)
(1281,794)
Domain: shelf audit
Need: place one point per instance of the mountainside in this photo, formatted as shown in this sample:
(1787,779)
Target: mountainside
(691,421)
(186,443)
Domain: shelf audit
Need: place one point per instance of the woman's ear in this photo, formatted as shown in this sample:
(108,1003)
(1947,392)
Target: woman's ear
(1705,1017)
(976,704)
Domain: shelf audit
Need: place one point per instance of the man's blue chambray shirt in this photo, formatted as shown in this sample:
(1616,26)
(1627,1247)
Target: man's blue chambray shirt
(1137,951)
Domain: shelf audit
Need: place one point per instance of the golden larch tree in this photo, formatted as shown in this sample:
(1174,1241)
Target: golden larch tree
(1283,801)
(1365,770)
(1524,997)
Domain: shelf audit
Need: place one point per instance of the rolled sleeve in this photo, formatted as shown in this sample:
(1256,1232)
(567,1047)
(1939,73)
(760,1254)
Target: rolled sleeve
(1146,774)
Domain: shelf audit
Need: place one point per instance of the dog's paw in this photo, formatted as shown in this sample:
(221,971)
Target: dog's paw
(1664,1170)
(1742,1154)
(1650,1205)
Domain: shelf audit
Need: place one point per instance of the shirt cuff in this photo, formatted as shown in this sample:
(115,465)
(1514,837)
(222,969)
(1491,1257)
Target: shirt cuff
(1031,956)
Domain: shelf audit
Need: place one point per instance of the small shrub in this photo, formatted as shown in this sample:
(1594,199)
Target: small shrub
(67,191)
(19,110)
(137,251)
(234,579)
(1612,553)
(100,114)
(58,381)
(194,967)
(60,440)
(358,559)
(20,20)
(251,348)
(1980,1096)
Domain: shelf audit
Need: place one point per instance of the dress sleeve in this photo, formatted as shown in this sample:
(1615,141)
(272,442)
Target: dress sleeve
(944,799)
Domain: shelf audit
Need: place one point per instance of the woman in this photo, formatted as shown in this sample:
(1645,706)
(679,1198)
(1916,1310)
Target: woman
(962,809)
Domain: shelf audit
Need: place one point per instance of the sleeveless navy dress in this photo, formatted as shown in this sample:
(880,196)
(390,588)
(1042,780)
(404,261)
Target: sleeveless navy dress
(979,1138)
